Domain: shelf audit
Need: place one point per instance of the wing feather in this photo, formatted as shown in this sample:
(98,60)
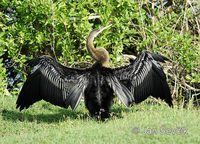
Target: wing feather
(144,77)
(121,91)
(52,82)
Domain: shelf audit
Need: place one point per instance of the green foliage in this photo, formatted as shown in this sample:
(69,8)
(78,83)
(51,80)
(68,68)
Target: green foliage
(59,28)
(2,79)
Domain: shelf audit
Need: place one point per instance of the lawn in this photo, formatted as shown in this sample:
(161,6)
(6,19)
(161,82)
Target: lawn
(143,123)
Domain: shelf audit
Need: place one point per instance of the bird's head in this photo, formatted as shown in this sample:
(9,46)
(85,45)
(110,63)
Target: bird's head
(97,31)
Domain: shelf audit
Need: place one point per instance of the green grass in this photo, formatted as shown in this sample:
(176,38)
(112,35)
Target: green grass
(143,123)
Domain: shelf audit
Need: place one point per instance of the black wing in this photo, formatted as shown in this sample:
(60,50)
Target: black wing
(144,77)
(52,82)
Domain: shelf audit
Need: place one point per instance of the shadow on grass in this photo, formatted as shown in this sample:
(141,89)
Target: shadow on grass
(58,116)
(117,111)
(62,115)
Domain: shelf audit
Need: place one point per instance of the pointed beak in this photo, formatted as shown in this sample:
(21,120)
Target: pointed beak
(102,29)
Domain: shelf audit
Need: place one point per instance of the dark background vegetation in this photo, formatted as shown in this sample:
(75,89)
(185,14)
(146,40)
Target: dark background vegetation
(59,28)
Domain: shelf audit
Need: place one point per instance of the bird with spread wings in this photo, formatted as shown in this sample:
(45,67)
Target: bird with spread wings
(63,86)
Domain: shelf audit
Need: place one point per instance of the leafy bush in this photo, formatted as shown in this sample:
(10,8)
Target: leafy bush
(2,80)
(59,28)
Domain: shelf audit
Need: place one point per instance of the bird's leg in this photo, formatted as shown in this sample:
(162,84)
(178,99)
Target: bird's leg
(100,114)
(104,114)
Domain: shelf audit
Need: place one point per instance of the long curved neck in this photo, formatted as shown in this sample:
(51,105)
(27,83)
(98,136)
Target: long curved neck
(91,48)
(101,55)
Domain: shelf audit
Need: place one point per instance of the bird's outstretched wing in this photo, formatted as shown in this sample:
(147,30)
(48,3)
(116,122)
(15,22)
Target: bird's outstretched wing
(144,77)
(52,82)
